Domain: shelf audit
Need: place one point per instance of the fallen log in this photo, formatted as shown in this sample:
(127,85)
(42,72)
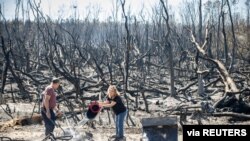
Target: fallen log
(35,119)
(187,87)
(27,120)
(232,114)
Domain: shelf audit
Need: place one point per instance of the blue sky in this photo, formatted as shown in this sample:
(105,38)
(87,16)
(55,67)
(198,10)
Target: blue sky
(94,8)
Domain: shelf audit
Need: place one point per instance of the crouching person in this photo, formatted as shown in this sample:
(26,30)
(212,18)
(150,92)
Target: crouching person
(115,102)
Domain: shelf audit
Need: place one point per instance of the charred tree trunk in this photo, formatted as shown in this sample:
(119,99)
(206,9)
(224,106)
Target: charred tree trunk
(147,47)
(168,46)
(5,70)
(225,39)
(38,38)
(200,62)
(248,22)
(128,47)
(145,101)
(12,94)
(28,68)
(200,84)
(233,36)
(218,35)
(200,21)
(209,48)
(6,64)
(110,61)
(172,75)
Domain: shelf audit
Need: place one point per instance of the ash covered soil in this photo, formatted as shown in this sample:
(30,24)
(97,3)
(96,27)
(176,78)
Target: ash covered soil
(99,129)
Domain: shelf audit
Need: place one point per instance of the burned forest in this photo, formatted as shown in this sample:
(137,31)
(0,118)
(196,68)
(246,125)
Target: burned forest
(195,68)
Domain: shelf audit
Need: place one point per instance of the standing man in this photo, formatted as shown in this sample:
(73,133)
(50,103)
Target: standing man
(49,106)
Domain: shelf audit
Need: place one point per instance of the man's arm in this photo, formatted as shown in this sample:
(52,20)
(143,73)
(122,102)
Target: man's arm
(56,108)
(46,104)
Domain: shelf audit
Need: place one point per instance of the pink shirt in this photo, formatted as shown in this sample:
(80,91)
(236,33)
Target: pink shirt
(50,91)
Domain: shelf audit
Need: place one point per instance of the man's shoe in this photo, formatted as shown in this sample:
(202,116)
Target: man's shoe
(120,138)
(114,136)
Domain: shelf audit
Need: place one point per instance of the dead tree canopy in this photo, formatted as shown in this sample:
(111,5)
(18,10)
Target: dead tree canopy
(230,85)
(231,96)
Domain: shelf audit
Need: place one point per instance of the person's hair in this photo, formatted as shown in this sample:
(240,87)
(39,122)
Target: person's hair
(55,80)
(116,91)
